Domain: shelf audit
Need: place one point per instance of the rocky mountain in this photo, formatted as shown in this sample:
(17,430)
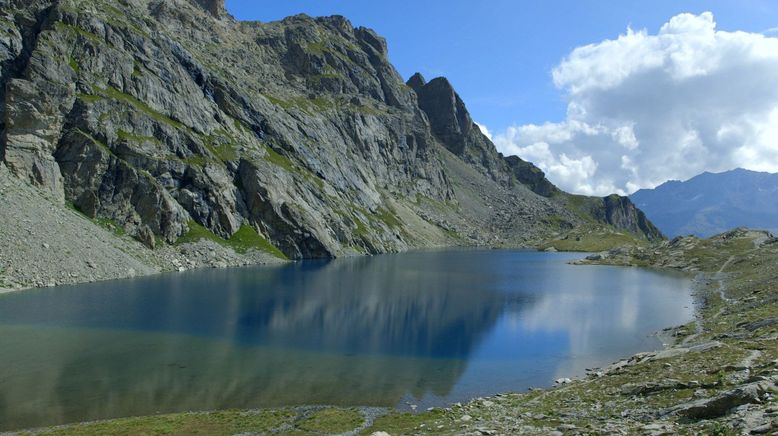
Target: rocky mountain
(171,122)
(712,203)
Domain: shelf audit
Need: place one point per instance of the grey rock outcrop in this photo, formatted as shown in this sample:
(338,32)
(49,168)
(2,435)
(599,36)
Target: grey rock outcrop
(213,7)
(531,176)
(455,129)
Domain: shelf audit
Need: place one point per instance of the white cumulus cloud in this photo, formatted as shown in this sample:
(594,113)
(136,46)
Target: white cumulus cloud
(644,108)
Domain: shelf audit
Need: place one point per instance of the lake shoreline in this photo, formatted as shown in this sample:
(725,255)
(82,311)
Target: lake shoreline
(718,376)
(174,259)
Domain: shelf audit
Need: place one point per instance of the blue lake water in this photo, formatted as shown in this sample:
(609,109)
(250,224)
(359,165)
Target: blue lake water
(423,328)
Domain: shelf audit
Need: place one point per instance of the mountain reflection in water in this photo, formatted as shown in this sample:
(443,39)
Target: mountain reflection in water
(437,327)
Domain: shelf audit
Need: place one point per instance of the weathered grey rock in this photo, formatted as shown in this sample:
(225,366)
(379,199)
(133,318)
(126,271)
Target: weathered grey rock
(756,325)
(723,403)
(655,386)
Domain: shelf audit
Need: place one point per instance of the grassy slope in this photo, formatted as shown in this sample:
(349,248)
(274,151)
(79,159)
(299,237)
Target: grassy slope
(592,238)
(750,279)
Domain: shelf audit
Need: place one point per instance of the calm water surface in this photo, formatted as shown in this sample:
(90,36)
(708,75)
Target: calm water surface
(425,328)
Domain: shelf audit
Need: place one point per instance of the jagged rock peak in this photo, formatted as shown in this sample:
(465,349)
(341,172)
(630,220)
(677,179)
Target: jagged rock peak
(372,39)
(213,7)
(416,82)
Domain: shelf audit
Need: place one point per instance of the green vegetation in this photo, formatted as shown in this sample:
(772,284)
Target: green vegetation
(437,205)
(318,48)
(143,107)
(361,229)
(388,217)
(245,239)
(137,69)
(222,146)
(197,232)
(331,421)
(412,423)
(198,160)
(94,141)
(591,238)
(212,423)
(278,159)
(91,99)
(74,65)
(131,137)
(111,225)
(59,26)
(310,106)
(581,205)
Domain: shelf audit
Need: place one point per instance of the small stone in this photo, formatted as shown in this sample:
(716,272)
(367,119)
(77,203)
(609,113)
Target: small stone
(466,418)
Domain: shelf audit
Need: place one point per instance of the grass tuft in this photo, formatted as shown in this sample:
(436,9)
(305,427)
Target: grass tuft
(244,240)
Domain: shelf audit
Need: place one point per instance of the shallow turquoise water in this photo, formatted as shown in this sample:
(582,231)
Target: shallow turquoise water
(424,328)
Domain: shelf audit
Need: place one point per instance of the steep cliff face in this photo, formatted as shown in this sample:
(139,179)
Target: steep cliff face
(455,129)
(168,117)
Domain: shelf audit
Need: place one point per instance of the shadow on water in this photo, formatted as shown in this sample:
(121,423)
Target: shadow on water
(441,326)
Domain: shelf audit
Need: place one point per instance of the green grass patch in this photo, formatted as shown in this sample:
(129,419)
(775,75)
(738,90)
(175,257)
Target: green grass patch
(388,218)
(111,225)
(332,421)
(318,48)
(137,69)
(411,423)
(131,137)
(143,107)
(95,141)
(196,233)
(221,147)
(59,26)
(74,64)
(198,160)
(593,239)
(245,239)
(88,98)
(278,159)
(212,423)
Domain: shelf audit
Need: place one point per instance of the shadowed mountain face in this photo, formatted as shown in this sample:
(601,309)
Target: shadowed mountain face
(163,116)
(710,204)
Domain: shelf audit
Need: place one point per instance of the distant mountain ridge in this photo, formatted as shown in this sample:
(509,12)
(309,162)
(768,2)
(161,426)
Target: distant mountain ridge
(711,203)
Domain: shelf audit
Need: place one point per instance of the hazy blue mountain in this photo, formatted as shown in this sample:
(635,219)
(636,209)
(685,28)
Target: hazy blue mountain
(711,203)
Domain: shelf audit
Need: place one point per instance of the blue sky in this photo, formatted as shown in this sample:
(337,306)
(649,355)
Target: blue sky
(499,53)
